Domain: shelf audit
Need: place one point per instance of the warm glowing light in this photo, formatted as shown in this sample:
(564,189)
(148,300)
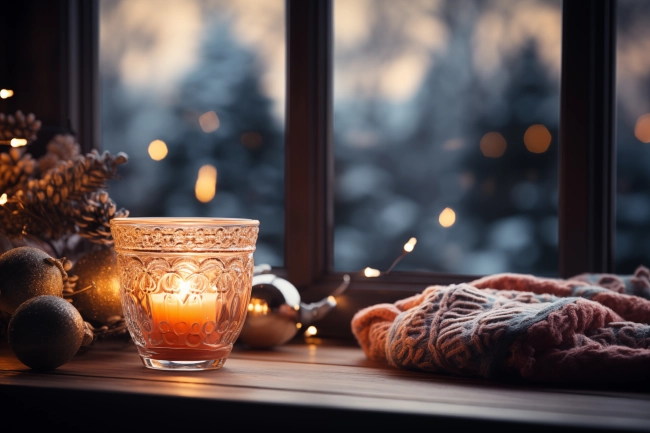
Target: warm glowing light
(332,300)
(408,247)
(447,217)
(17,142)
(184,288)
(298,325)
(206,183)
(537,138)
(157,150)
(642,128)
(251,140)
(371,273)
(493,145)
(3,199)
(258,306)
(311,331)
(6,93)
(209,121)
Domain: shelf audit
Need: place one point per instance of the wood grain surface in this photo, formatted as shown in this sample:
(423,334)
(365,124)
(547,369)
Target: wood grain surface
(301,386)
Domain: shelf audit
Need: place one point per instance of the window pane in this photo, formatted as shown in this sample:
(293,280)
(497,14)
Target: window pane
(633,136)
(446,129)
(193,91)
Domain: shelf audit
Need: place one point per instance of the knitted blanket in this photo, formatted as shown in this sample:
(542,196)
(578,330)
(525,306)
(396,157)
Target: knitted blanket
(589,327)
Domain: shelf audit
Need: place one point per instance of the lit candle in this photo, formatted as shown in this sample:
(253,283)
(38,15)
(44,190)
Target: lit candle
(184,318)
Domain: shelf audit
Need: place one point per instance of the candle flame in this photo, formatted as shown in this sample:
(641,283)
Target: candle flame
(3,199)
(6,93)
(18,142)
(371,273)
(206,183)
(408,247)
(184,288)
(311,331)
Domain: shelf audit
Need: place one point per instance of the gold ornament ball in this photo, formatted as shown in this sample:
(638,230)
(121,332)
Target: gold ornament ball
(98,270)
(45,332)
(25,273)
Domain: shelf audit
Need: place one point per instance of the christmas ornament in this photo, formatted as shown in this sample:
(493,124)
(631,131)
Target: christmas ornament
(276,313)
(28,272)
(45,332)
(97,295)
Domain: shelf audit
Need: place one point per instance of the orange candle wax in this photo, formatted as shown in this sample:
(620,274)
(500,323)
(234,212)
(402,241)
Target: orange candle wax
(184,319)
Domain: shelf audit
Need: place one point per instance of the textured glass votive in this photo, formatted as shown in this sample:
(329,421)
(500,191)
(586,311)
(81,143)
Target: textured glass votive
(185,287)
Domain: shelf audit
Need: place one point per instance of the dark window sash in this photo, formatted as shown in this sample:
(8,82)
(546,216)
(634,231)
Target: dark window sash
(587,147)
(587,159)
(50,54)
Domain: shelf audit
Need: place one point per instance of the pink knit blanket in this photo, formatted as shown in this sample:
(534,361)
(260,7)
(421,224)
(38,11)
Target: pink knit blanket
(592,327)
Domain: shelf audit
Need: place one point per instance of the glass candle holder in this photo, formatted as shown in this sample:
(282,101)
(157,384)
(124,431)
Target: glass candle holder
(185,285)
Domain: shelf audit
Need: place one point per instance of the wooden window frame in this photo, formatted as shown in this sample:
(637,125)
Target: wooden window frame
(586,158)
(587,161)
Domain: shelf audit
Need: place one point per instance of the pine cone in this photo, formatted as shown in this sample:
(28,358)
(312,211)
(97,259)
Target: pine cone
(93,216)
(61,148)
(16,168)
(19,126)
(88,173)
(38,211)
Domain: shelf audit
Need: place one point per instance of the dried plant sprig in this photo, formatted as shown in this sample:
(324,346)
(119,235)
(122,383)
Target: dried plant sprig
(19,126)
(115,327)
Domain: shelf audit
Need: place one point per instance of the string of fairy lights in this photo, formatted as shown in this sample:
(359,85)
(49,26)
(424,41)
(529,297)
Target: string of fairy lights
(15,141)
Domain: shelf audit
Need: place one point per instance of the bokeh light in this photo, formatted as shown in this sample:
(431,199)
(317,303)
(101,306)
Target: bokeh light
(371,273)
(251,140)
(311,331)
(447,217)
(537,138)
(6,93)
(157,150)
(18,142)
(493,145)
(206,183)
(209,121)
(408,247)
(642,128)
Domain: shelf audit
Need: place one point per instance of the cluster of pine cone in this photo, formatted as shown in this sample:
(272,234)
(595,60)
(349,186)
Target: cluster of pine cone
(19,126)
(60,194)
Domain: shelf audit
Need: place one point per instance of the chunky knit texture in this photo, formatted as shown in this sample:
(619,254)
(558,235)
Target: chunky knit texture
(593,327)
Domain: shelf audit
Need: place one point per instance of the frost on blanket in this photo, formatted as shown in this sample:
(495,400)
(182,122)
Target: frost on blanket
(593,327)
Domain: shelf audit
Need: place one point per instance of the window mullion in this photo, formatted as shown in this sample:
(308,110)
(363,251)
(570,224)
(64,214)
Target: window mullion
(308,160)
(587,149)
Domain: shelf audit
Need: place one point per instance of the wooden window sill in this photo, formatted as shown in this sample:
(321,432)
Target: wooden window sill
(306,387)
